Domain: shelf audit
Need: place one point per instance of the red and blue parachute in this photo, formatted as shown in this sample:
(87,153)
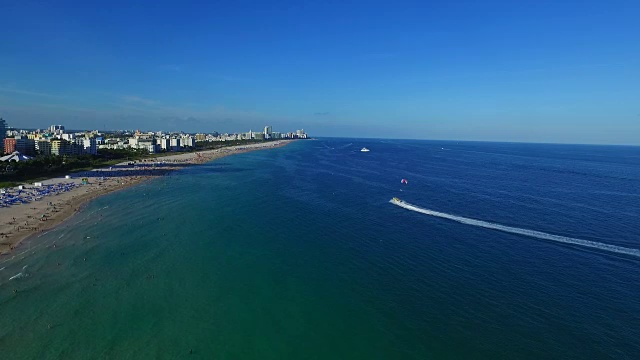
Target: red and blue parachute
(404,181)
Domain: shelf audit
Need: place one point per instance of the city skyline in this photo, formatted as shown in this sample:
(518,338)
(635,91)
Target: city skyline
(53,127)
(500,71)
(58,140)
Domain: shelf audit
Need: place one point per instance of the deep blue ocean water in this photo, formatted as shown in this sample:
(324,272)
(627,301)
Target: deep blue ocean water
(296,253)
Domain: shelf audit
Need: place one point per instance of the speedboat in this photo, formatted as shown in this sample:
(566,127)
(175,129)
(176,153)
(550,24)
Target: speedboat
(364,149)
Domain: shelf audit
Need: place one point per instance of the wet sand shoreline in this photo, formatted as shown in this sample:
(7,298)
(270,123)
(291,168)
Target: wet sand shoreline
(21,221)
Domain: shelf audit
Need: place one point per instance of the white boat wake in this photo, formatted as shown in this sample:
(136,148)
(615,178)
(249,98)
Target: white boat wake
(513,230)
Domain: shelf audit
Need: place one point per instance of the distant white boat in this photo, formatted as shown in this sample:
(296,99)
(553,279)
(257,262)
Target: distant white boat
(364,149)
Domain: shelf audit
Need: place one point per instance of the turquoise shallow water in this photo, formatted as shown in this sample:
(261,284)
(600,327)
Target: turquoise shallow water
(296,253)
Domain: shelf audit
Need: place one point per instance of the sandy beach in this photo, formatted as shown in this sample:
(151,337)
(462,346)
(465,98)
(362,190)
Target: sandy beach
(31,209)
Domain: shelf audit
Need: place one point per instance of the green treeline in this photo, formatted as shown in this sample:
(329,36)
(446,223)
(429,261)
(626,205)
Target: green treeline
(47,166)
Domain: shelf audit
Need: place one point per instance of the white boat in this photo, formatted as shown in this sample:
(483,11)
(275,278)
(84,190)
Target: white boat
(364,149)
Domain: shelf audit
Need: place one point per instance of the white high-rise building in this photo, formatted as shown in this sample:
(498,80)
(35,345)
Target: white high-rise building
(90,146)
(175,144)
(164,143)
(267,132)
(56,129)
(188,140)
(300,134)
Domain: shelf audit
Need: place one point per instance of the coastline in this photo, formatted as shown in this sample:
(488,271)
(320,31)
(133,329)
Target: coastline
(21,221)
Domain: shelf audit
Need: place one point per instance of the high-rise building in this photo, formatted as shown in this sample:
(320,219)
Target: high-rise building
(60,147)
(24,145)
(90,146)
(76,146)
(56,129)
(300,134)
(3,134)
(9,145)
(267,132)
(187,140)
(164,143)
(175,144)
(43,147)
(30,147)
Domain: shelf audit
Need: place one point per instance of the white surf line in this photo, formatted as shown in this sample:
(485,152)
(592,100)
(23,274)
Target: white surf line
(19,275)
(520,231)
(31,249)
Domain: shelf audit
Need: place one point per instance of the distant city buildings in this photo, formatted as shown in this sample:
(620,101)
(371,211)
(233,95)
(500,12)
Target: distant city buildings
(20,144)
(3,134)
(90,145)
(56,141)
(56,129)
(266,134)
(60,147)
(9,145)
(51,141)
(43,147)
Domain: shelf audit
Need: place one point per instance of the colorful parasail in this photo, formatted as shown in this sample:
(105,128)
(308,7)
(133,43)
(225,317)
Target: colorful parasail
(404,181)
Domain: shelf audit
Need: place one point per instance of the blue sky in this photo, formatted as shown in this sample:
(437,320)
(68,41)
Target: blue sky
(539,71)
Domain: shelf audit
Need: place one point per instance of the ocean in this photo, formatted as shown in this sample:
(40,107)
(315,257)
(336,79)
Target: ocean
(297,253)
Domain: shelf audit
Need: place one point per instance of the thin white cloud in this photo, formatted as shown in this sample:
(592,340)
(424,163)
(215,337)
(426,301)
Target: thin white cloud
(138,100)
(133,111)
(8,89)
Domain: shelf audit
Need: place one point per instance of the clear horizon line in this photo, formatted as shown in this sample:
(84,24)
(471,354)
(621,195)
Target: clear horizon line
(483,141)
